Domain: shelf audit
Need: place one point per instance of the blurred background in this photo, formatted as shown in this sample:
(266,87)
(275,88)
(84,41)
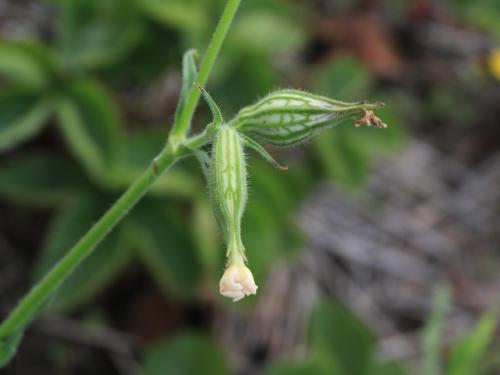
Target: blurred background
(375,253)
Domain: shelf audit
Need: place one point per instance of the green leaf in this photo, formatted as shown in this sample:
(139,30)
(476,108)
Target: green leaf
(40,178)
(336,332)
(96,271)
(97,33)
(467,354)
(23,113)
(189,74)
(164,244)
(432,334)
(91,125)
(185,354)
(8,347)
(24,63)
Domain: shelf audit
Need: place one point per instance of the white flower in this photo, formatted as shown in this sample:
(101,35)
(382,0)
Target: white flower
(237,282)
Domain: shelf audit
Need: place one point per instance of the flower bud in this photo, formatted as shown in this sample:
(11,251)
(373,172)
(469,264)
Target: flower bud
(237,282)
(289,117)
(229,192)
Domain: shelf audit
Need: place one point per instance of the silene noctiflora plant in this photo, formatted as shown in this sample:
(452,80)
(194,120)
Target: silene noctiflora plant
(283,118)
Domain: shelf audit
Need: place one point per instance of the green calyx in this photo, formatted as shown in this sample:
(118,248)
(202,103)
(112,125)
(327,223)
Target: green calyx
(289,117)
(229,186)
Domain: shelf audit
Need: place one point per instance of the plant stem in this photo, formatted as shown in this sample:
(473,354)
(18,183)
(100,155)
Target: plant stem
(181,127)
(31,304)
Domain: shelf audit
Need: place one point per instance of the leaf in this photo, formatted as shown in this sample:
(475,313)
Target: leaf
(336,332)
(8,347)
(467,354)
(185,354)
(41,178)
(165,245)
(432,333)
(97,270)
(25,63)
(97,33)
(23,113)
(91,125)
(189,74)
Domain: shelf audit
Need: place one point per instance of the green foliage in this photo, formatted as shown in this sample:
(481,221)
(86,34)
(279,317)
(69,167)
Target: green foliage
(26,64)
(35,178)
(483,14)
(189,353)
(189,74)
(267,223)
(91,126)
(339,344)
(95,33)
(467,353)
(265,32)
(165,246)
(433,332)
(338,335)
(97,270)
(188,16)
(22,115)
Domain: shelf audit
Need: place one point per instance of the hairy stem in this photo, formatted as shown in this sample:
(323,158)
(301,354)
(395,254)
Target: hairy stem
(181,127)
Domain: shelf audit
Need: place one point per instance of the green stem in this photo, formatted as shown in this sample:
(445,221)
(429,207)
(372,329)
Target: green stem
(31,304)
(181,127)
